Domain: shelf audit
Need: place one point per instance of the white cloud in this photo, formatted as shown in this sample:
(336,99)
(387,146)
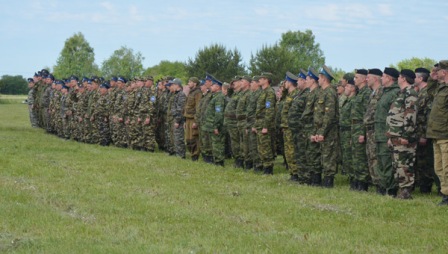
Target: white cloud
(385,10)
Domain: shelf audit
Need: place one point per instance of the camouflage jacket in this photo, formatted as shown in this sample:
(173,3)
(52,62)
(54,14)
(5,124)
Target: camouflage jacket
(438,117)
(402,117)
(286,107)
(369,116)
(101,110)
(146,107)
(179,99)
(31,96)
(296,110)
(265,110)
(326,111)
(424,108)
(382,109)
(345,120)
(230,111)
(251,108)
(358,110)
(214,113)
(192,103)
(200,114)
(308,114)
(46,96)
(241,109)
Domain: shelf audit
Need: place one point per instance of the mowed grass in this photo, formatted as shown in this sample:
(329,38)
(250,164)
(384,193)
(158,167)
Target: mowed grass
(61,196)
(12,99)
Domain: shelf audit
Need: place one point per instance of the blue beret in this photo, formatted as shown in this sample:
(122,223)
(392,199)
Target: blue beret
(114,79)
(327,73)
(30,80)
(73,77)
(37,74)
(302,74)
(84,79)
(216,82)
(50,76)
(60,82)
(105,85)
(312,74)
(201,82)
(208,76)
(89,81)
(121,79)
(65,87)
(291,77)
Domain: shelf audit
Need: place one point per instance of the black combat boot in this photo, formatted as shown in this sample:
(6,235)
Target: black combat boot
(268,171)
(444,200)
(219,163)
(392,192)
(329,181)
(353,184)
(316,179)
(294,178)
(248,165)
(380,190)
(425,189)
(238,163)
(363,186)
(404,193)
(258,169)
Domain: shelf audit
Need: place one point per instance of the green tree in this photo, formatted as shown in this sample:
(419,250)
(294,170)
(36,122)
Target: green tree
(76,58)
(217,60)
(305,51)
(13,85)
(415,63)
(123,62)
(274,59)
(166,68)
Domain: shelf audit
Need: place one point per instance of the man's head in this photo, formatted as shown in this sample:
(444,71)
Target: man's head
(390,76)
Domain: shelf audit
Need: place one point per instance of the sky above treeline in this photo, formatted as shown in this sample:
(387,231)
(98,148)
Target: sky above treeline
(352,34)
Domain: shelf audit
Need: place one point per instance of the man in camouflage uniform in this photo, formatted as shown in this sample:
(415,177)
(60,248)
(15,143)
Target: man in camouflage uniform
(54,108)
(78,113)
(91,134)
(163,94)
(178,122)
(45,102)
(31,104)
(100,117)
(230,123)
(278,142)
(438,127)
(326,118)
(361,175)
(241,115)
(206,145)
(191,124)
(214,122)
(147,113)
(169,139)
(118,131)
(289,149)
(401,122)
(374,82)
(63,114)
(424,161)
(313,164)
(345,122)
(252,159)
(265,123)
(295,125)
(390,91)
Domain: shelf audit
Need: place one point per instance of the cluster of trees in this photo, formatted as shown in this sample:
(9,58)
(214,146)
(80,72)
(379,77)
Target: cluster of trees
(294,50)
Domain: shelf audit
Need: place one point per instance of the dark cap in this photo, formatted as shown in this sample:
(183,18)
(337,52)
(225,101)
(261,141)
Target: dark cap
(209,76)
(50,76)
(59,82)
(114,79)
(256,78)
(361,71)
(44,72)
(351,81)
(236,78)
(121,79)
(408,73)
(176,81)
(266,75)
(422,70)
(216,82)
(326,72)
(201,82)
(375,71)
(73,77)
(291,77)
(30,80)
(391,72)
(443,64)
(302,74)
(105,85)
(312,74)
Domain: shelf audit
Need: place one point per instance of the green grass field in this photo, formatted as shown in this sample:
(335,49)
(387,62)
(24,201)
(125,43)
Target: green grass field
(60,196)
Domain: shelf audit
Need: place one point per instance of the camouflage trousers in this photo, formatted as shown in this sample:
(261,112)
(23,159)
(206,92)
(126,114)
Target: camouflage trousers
(424,165)
(206,144)
(135,134)
(329,153)
(192,137)
(217,143)
(371,155)
(384,168)
(234,135)
(149,139)
(265,148)
(299,140)
(346,151)
(66,127)
(34,120)
(102,132)
(441,163)
(160,133)
(169,139)
(290,152)
(253,156)
(120,134)
(403,163)
(359,160)
(313,162)
(179,140)
(45,116)
(244,141)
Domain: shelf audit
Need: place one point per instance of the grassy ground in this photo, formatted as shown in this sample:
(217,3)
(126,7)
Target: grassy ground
(60,196)
(12,99)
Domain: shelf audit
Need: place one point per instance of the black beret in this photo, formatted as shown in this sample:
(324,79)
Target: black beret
(391,72)
(377,72)
(422,70)
(30,80)
(351,81)
(361,71)
(408,73)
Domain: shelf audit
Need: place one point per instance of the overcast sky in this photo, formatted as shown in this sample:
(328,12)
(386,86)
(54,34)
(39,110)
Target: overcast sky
(352,34)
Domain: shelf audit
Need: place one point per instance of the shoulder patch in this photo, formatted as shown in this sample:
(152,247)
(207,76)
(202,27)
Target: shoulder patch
(153,98)
(218,108)
(268,104)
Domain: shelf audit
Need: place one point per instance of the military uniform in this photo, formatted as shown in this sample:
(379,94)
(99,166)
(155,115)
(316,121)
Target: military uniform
(252,158)
(147,111)
(345,122)
(177,107)
(192,134)
(31,108)
(214,120)
(401,123)
(243,135)
(265,119)
(230,122)
(289,149)
(100,121)
(206,145)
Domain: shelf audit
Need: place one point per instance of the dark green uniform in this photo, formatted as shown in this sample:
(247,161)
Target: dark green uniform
(288,139)
(265,119)
(206,145)
(345,137)
(230,122)
(241,115)
(313,162)
(253,158)
(214,120)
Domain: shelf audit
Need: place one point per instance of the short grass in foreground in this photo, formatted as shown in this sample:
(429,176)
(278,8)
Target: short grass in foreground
(60,196)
